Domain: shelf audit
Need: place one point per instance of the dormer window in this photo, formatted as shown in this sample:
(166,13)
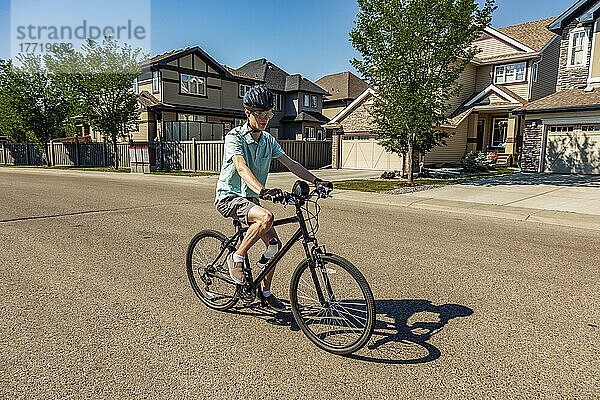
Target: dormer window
(313,101)
(155,81)
(510,73)
(306,100)
(578,46)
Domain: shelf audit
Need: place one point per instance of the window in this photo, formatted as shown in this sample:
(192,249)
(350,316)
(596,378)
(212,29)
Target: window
(534,72)
(590,128)
(306,100)
(135,86)
(578,44)
(243,89)
(313,102)
(309,132)
(320,134)
(561,129)
(239,121)
(510,73)
(191,117)
(499,131)
(191,84)
(155,81)
(277,102)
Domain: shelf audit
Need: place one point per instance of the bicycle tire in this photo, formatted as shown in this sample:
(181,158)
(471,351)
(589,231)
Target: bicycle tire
(360,312)
(220,292)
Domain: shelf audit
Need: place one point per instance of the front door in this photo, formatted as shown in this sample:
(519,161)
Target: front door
(480,127)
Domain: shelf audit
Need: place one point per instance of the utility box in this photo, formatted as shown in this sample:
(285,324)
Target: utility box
(142,159)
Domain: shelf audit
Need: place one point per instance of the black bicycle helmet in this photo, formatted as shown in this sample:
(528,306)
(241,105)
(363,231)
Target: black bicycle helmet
(259,98)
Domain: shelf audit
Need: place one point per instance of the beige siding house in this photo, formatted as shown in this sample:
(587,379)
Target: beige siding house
(515,65)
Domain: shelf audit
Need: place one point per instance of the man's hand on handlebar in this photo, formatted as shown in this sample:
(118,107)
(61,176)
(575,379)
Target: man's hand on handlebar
(324,187)
(275,195)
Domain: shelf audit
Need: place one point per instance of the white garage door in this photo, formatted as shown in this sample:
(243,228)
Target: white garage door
(573,149)
(363,152)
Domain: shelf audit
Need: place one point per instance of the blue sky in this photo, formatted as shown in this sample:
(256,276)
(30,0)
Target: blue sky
(309,37)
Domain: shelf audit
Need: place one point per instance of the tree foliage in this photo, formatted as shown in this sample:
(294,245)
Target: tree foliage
(413,52)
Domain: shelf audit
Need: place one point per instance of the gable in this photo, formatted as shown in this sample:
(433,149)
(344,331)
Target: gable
(582,10)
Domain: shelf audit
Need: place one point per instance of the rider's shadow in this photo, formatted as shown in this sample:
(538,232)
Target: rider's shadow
(403,328)
(269,316)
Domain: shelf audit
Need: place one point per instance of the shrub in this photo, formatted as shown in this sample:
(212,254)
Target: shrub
(476,162)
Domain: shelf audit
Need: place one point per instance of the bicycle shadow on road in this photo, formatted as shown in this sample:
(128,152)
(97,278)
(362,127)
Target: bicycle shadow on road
(403,328)
(269,316)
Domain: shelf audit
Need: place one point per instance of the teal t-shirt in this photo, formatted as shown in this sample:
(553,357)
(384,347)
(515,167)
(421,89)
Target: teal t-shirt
(258,156)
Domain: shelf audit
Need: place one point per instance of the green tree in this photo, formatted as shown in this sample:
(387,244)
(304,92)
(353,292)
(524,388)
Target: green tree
(12,124)
(101,75)
(413,52)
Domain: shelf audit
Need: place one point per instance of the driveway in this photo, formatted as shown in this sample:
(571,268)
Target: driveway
(571,193)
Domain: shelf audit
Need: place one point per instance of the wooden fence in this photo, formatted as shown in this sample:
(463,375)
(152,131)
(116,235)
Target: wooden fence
(182,156)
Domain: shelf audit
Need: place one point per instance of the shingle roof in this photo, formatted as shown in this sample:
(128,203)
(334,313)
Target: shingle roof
(240,74)
(162,56)
(503,56)
(296,82)
(565,99)
(273,76)
(344,85)
(306,116)
(532,34)
(147,99)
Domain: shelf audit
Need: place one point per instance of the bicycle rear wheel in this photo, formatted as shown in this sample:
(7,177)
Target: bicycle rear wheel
(344,320)
(208,273)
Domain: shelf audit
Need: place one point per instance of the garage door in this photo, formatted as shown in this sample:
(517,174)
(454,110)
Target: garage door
(573,149)
(363,152)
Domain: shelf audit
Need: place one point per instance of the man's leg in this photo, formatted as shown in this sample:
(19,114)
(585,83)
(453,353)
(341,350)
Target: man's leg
(260,221)
(266,238)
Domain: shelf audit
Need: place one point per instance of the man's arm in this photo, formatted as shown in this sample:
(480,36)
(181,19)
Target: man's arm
(297,169)
(246,174)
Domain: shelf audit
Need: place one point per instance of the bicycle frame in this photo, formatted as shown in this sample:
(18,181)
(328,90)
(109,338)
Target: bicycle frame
(301,233)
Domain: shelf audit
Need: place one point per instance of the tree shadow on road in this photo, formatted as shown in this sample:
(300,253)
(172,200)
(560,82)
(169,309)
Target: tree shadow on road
(403,328)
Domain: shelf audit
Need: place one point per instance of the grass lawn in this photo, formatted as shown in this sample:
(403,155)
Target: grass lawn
(183,173)
(378,184)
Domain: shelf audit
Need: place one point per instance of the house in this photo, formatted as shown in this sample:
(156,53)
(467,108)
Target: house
(562,130)
(298,101)
(185,94)
(516,65)
(344,88)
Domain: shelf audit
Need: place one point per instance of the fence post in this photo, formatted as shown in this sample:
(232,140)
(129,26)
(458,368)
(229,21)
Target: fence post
(104,154)
(162,165)
(5,155)
(195,154)
(77,159)
(26,153)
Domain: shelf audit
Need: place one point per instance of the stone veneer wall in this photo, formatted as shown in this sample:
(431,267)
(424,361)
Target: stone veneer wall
(359,120)
(573,77)
(532,145)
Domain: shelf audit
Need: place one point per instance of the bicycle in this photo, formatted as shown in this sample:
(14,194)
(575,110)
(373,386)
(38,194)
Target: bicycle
(331,300)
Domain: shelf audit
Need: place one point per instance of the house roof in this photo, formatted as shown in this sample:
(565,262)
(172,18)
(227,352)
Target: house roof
(306,116)
(225,71)
(339,116)
(298,83)
(147,99)
(564,100)
(343,85)
(534,34)
(526,55)
(277,79)
(584,10)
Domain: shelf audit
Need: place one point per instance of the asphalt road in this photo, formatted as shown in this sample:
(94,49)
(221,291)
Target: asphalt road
(96,303)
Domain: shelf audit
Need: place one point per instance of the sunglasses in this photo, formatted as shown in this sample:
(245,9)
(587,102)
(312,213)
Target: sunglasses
(263,114)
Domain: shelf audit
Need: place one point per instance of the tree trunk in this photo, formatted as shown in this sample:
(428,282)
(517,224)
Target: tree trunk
(409,158)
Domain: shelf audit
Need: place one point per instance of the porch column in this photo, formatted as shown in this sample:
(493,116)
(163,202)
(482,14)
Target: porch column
(472,132)
(511,135)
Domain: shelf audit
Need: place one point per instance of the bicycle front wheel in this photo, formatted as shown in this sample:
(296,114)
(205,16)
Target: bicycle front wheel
(208,272)
(333,304)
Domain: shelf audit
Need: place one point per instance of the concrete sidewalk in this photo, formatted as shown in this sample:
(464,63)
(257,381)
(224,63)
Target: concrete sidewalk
(567,200)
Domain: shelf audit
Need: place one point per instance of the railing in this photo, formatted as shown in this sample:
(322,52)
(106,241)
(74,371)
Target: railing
(181,131)
(183,155)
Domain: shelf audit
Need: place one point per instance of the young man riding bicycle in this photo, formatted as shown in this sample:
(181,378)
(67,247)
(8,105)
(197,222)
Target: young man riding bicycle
(249,150)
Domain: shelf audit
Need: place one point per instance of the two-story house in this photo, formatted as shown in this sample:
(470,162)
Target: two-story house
(515,65)
(185,94)
(344,88)
(298,101)
(562,130)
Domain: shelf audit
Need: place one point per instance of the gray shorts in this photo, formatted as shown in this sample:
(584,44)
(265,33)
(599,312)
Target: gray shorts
(237,207)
